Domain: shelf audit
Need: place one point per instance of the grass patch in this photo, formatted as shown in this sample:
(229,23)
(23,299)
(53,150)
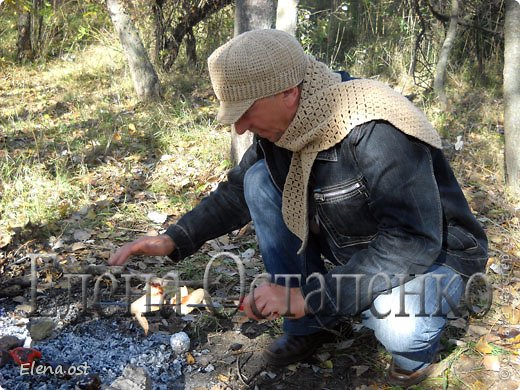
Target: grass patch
(73,134)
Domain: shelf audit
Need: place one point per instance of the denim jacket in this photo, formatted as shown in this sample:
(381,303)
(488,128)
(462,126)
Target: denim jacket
(379,201)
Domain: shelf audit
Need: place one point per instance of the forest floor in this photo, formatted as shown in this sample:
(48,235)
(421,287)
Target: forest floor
(84,169)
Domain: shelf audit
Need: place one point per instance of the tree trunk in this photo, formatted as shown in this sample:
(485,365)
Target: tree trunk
(512,94)
(193,16)
(439,83)
(250,15)
(37,26)
(254,15)
(24,49)
(191,47)
(146,82)
(158,30)
(287,16)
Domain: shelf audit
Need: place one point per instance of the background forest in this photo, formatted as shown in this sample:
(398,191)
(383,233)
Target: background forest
(93,153)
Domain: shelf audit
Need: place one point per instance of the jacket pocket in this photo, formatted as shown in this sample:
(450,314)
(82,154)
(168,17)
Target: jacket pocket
(460,240)
(343,212)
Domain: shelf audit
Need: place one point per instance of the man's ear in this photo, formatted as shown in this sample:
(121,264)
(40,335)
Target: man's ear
(291,97)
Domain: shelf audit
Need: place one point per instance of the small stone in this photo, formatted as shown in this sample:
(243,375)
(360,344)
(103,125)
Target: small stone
(235,346)
(180,342)
(322,357)
(41,328)
(26,308)
(133,378)
(9,342)
(89,382)
(204,360)
(229,360)
(209,368)
(19,299)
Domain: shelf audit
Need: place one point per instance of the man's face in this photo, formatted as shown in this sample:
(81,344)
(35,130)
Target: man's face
(268,117)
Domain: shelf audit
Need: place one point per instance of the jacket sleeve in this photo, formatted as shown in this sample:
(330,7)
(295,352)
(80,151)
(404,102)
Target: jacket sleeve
(221,212)
(404,200)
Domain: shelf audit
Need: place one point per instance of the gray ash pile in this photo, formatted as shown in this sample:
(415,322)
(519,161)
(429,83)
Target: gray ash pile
(95,351)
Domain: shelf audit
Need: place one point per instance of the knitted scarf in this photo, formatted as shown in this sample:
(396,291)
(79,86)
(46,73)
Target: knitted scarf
(329,109)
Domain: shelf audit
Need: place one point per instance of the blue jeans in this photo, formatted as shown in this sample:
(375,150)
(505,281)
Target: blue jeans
(412,339)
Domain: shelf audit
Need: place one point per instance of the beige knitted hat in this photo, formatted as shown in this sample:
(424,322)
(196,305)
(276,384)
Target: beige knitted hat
(254,65)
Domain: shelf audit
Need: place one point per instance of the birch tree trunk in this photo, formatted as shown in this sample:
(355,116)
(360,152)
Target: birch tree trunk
(287,16)
(512,94)
(146,82)
(439,83)
(250,15)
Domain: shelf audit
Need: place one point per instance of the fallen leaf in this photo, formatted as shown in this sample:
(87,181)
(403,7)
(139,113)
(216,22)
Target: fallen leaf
(459,323)
(478,385)
(77,246)
(478,330)
(459,144)
(491,363)
(512,314)
(327,364)
(498,269)
(5,238)
(156,217)
(81,235)
(483,346)
(223,378)
(292,367)
(360,370)
(344,344)
(248,253)
(495,239)
(190,359)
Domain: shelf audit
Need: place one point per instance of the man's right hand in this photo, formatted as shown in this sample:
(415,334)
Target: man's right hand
(161,245)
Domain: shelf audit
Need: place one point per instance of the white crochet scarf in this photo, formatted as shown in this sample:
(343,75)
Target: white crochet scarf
(328,110)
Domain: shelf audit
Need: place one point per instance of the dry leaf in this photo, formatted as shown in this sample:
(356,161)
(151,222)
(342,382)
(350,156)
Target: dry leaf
(77,246)
(483,346)
(189,358)
(156,217)
(491,363)
(459,323)
(514,340)
(5,238)
(511,314)
(478,385)
(81,235)
(360,370)
(223,378)
(344,344)
(327,364)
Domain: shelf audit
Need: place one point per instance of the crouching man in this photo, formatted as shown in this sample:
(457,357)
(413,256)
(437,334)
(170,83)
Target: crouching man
(343,169)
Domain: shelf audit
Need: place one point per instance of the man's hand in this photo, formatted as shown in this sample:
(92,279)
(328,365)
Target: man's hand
(271,302)
(161,245)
